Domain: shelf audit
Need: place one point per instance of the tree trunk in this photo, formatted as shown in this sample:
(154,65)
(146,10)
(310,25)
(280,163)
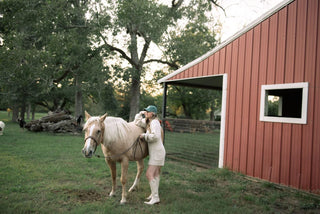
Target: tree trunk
(33,111)
(135,98)
(78,97)
(212,112)
(23,109)
(15,113)
(28,111)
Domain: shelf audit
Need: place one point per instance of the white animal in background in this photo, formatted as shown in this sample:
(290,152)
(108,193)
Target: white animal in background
(2,125)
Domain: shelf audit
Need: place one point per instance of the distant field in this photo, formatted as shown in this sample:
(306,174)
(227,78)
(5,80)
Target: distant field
(4,116)
(46,173)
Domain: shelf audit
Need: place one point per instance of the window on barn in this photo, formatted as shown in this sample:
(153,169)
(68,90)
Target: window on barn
(286,103)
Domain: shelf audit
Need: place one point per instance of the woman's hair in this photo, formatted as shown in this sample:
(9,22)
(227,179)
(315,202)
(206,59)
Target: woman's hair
(148,121)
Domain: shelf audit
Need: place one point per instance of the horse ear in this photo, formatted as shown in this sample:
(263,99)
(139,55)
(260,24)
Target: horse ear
(103,117)
(87,115)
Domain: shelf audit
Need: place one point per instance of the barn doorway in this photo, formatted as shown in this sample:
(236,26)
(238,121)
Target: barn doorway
(192,137)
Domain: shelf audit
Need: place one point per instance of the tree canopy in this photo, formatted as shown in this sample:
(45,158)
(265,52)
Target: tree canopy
(65,54)
(46,53)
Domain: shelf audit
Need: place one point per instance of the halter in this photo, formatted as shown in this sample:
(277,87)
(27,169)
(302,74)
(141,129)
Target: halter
(95,140)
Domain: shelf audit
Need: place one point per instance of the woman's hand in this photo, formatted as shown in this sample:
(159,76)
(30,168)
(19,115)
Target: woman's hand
(143,114)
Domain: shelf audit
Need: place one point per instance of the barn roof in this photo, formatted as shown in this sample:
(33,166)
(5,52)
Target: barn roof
(212,81)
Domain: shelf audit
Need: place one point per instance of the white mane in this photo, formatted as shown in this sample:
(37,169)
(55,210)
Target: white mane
(115,129)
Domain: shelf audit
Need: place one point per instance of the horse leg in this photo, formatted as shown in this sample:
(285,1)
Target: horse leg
(123,179)
(140,166)
(113,169)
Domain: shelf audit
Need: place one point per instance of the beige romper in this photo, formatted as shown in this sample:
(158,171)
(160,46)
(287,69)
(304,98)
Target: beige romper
(157,151)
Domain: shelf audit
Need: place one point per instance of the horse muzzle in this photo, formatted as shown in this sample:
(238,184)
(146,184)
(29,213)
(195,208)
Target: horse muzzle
(87,154)
(89,148)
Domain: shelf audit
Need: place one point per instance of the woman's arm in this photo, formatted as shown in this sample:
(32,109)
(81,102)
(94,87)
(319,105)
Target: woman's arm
(139,120)
(155,132)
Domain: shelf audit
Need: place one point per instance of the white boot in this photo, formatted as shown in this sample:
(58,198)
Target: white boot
(150,196)
(154,186)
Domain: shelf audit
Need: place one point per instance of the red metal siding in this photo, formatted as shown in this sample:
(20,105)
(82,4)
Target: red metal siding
(310,72)
(280,152)
(216,63)
(239,103)
(222,61)
(210,65)
(262,80)
(253,103)
(232,107)
(229,113)
(279,78)
(296,146)
(246,100)
(288,78)
(285,48)
(315,173)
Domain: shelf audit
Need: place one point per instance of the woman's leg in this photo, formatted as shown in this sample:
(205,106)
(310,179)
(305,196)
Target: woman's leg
(152,172)
(153,176)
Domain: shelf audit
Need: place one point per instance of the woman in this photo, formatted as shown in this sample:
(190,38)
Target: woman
(157,152)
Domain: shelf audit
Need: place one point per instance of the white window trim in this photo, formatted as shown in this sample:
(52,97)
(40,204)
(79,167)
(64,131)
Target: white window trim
(302,120)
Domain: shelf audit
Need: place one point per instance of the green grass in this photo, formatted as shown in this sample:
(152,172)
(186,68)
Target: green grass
(46,173)
(201,148)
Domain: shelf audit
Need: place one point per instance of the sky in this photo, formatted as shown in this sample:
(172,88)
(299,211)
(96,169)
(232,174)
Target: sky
(240,13)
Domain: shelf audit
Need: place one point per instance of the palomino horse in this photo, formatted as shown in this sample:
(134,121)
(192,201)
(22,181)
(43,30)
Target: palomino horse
(119,143)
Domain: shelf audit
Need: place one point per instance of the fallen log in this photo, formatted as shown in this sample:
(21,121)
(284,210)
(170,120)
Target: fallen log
(56,123)
(54,118)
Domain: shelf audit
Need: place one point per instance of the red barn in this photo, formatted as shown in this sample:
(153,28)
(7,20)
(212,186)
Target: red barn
(270,77)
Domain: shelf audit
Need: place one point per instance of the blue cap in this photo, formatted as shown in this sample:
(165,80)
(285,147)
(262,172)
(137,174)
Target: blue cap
(151,109)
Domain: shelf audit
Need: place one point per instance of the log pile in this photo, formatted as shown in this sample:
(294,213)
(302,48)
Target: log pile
(57,123)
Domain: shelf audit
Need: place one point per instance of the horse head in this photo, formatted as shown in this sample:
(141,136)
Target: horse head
(94,131)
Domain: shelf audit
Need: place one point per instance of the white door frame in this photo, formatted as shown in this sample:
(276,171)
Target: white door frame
(223,119)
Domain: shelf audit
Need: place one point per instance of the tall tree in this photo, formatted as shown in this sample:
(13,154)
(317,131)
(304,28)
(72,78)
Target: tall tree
(46,52)
(134,25)
(22,68)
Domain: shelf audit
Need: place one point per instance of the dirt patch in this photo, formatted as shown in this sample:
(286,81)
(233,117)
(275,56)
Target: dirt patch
(83,195)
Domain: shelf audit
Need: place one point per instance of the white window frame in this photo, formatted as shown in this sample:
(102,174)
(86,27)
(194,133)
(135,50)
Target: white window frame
(303,120)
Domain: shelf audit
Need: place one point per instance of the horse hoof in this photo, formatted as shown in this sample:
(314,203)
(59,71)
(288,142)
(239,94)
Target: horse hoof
(112,194)
(133,188)
(123,202)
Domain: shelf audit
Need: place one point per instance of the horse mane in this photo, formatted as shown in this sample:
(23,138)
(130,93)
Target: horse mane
(115,129)
(90,121)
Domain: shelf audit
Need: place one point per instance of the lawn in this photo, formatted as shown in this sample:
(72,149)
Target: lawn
(46,173)
(199,148)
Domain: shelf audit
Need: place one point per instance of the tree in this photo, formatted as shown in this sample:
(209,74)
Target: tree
(58,47)
(47,55)
(182,48)
(130,28)
(22,69)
